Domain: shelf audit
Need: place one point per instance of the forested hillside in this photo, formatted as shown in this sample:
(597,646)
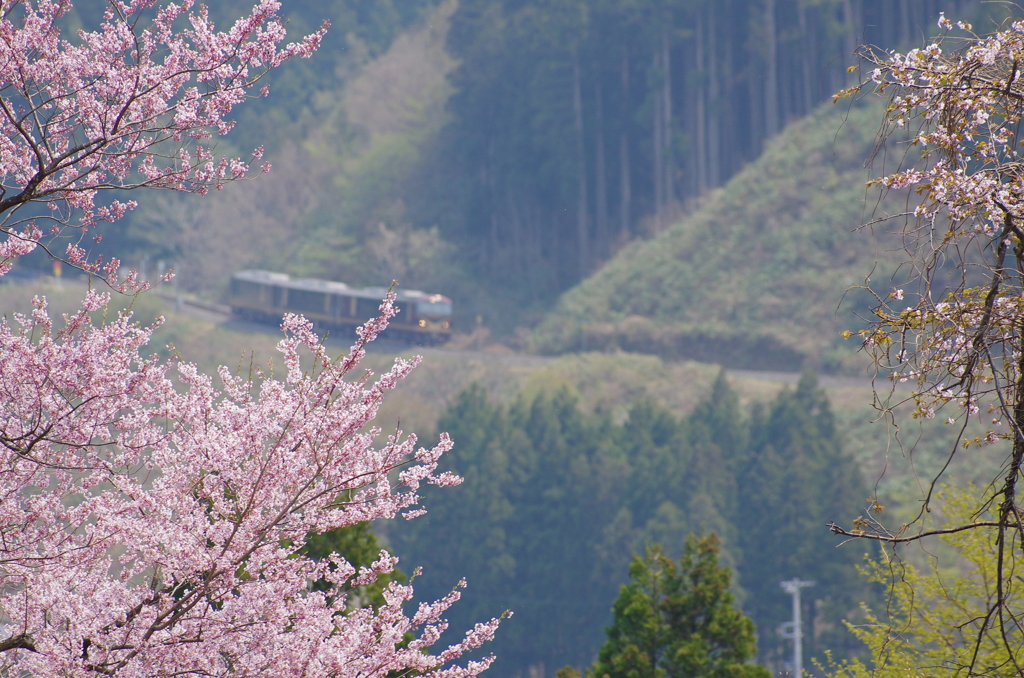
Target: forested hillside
(556,501)
(754,276)
(624,198)
(579,125)
(500,151)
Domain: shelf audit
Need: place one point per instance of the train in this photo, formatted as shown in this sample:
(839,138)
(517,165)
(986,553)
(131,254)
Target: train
(264,296)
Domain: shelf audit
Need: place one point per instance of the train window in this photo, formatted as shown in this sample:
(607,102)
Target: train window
(439,307)
(246,290)
(278,296)
(306,301)
(367,308)
(341,306)
(404,313)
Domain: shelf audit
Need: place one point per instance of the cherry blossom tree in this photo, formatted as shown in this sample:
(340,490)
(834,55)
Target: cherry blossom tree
(126,106)
(152,518)
(952,322)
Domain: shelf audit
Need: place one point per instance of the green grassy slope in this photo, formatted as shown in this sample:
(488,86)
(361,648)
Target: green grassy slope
(753,276)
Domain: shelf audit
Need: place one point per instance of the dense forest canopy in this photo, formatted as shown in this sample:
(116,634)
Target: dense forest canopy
(556,500)
(580,125)
(361,30)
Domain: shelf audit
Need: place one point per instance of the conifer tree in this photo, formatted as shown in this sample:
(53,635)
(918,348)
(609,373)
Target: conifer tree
(716,419)
(795,479)
(673,620)
(560,498)
(718,434)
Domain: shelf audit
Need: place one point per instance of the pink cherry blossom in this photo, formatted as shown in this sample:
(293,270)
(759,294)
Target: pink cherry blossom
(152,517)
(124,106)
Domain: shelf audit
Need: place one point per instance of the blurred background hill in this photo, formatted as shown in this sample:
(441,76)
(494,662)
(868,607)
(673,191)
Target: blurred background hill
(502,152)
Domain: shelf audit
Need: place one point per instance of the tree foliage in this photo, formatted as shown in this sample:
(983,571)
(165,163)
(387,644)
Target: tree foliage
(306,91)
(750,278)
(529,187)
(673,620)
(792,478)
(556,499)
(359,546)
(936,613)
(577,126)
(127,105)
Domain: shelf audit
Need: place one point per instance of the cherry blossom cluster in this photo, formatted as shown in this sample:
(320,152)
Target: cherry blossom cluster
(963,104)
(955,107)
(127,105)
(152,521)
(936,347)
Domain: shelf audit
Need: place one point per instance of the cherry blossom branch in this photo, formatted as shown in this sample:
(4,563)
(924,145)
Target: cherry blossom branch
(958,339)
(79,120)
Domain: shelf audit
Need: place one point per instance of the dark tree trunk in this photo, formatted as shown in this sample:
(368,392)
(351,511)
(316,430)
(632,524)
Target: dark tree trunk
(771,80)
(850,45)
(519,259)
(755,106)
(714,109)
(700,111)
(905,24)
(582,218)
(659,193)
(667,119)
(600,179)
(625,180)
(805,62)
(731,149)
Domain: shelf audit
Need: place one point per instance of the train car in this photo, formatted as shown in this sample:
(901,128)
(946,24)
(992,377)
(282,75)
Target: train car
(263,296)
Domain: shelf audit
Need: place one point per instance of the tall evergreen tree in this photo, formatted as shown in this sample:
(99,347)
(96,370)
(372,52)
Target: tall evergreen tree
(718,434)
(678,620)
(796,480)
(542,483)
(468,535)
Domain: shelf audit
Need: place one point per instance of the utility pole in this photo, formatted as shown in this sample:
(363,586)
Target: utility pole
(792,629)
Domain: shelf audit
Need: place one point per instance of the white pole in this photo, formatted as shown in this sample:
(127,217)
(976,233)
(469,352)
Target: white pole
(798,649)
(792,587)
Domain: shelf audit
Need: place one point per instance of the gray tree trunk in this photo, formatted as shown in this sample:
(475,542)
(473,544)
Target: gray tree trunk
(714,108)
(659,193)
(600,181)
(806,40)
(771,81)
(625,180)
(667,120)
(582,218)
(700,111)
